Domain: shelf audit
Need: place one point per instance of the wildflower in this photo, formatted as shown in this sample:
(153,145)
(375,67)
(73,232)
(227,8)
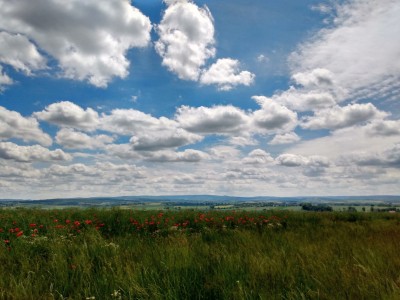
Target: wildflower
(77,223)
(6,242)
(67,221)
(55,221)
(32,225)
(20,233)
(88,222)
(116,294)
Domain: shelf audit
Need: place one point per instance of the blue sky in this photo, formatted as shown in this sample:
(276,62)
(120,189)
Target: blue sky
(278,98)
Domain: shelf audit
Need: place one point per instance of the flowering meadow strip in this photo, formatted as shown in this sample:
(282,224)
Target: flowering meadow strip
(189,254)
(63,223)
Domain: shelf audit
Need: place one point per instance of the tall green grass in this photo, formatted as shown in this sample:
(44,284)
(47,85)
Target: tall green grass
(299,256)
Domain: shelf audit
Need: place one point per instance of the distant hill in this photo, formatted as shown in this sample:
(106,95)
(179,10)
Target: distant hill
(195,199)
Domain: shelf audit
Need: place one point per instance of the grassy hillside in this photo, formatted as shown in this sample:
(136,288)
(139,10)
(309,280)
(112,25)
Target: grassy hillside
(126,254)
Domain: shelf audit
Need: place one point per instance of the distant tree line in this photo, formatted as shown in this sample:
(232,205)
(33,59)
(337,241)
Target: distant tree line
(318,207)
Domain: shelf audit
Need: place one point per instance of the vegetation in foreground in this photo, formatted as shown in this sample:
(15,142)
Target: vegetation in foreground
(126,254)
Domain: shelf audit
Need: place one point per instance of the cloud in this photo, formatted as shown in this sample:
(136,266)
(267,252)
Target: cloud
(122,151)
(385,128)
(243,140)
(262,58)
(344,142)
(389,158)
(315,78)
(212,120)
(323,8)
(13,125)
(305,99)
(186,38)
(130,121)
(4,79)
(17,51)
(295,160)
(88,39)
(71,139)
(361,47)
(225,153)
(163,139)
(187,179)
(31,153)
(225,73)
(71,170)
(258,157)
(68,114)
(340,117)
(286,138)
(291,160)
(102,172)
(189,155)
(273,117)
(17,171)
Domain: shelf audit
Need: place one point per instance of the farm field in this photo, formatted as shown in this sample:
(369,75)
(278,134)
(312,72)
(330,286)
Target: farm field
(193,254)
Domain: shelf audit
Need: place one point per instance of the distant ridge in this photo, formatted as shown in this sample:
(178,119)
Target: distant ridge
(126,200)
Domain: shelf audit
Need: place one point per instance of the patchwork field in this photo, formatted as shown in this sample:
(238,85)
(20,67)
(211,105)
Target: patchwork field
(191,254)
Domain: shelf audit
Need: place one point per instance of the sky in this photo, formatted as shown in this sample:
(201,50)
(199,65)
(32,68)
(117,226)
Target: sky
(150,97)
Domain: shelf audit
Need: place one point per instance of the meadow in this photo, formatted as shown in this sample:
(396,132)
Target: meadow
(191,254)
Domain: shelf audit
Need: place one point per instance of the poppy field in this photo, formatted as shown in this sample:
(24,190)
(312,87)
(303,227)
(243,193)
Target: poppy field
(188,254)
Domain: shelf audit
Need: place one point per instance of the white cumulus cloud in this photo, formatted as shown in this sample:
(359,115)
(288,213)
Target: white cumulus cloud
(89,39)
(72,139)
(18,153)
(68,114)
(17,51)
(285,138)
(188,155)
(212,120)
(163,139)
(186,38)
(258,156)
(226,74)
(273,117)
(14,125)
(340,117)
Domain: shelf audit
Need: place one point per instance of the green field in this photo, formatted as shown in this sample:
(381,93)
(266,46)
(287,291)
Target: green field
(190,254)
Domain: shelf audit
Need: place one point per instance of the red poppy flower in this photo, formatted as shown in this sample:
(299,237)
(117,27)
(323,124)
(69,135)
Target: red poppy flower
(20,233)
